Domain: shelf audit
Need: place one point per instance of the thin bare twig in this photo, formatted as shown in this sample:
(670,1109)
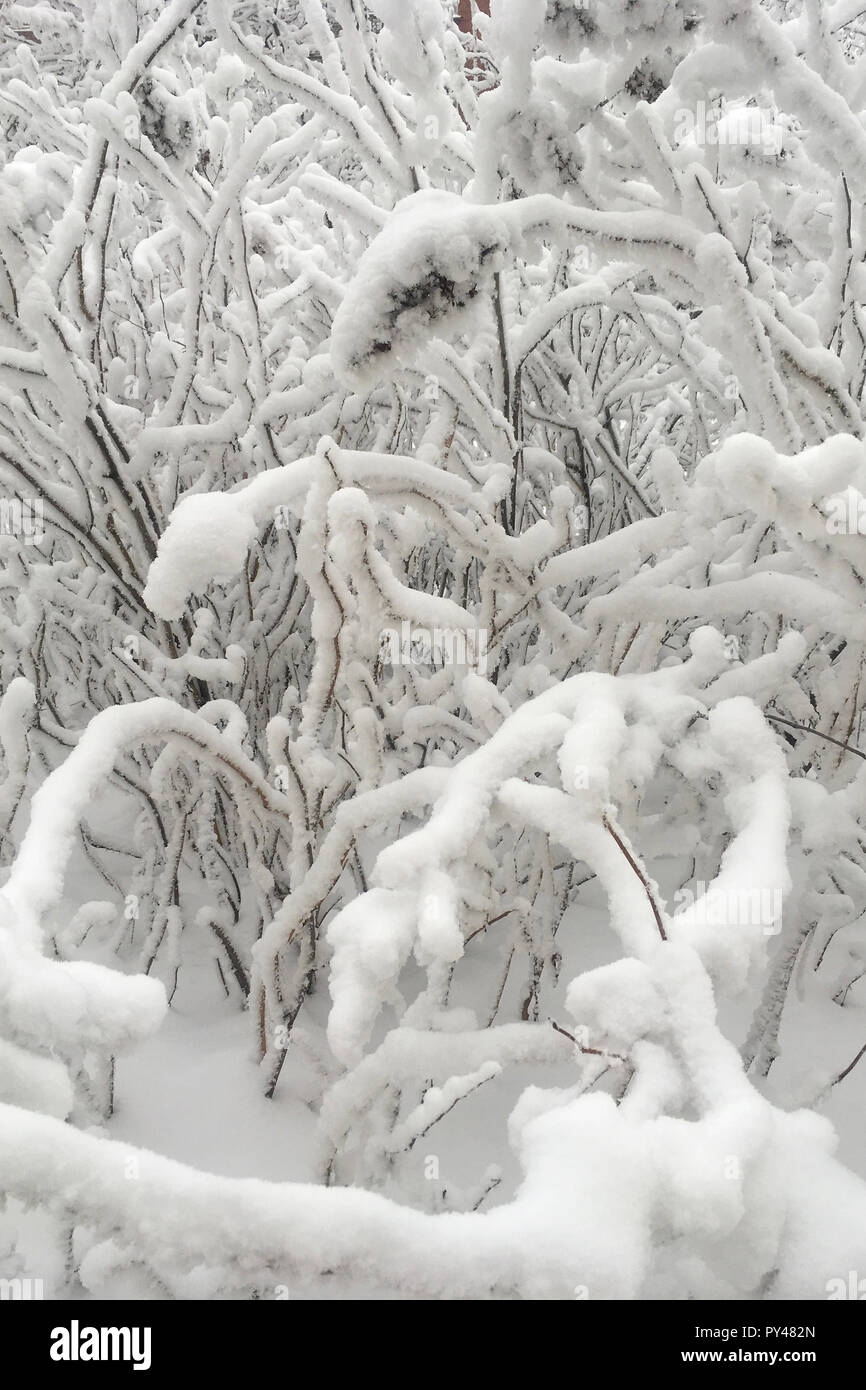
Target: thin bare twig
(641,875)
(804,729)
(591,1051)
(850,1067)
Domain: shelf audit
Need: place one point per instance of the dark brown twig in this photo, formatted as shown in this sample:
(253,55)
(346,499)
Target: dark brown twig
(804,729)
(850,1067)
(641,875)
(488,923)
(591,1051)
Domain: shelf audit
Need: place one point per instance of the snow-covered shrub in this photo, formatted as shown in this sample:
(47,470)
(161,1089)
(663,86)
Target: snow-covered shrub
(320,322)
